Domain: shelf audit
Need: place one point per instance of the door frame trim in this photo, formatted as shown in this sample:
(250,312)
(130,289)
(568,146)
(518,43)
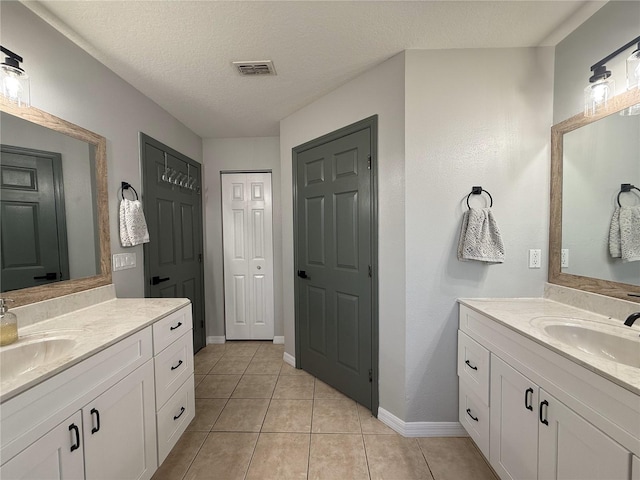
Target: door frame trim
(372,124)
(144,139)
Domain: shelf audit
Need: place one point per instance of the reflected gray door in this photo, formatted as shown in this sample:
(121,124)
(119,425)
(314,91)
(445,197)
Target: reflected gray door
(173,256)
(333,262)
(32,214)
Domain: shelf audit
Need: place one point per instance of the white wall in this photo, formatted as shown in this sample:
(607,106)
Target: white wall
(482,119)
(227,154)
(379,91)
(69,83)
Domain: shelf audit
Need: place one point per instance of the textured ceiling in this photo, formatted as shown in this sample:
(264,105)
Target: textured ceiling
(179,53)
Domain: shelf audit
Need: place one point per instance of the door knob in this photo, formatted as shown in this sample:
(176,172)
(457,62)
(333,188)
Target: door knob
(259,267)
(156,280)
(302,274)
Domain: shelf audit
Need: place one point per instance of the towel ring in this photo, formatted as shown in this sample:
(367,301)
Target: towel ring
(478,191)
(624,188)
(127,186)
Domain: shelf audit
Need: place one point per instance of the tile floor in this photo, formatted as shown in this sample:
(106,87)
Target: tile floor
(258,418)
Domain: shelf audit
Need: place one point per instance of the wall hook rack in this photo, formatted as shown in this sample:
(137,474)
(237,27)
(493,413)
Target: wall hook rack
(477,190)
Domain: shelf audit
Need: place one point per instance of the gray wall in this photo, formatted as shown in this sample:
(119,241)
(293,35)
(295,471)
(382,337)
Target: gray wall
(69,83)
(225,154)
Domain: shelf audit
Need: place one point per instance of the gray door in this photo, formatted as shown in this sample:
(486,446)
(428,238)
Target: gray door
(33,225)
(334,314)
(173,210)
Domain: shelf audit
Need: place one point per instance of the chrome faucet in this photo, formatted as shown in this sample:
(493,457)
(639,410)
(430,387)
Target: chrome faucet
(632,318)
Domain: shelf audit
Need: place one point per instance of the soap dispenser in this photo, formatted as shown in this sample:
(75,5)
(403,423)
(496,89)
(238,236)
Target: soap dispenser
(8,323)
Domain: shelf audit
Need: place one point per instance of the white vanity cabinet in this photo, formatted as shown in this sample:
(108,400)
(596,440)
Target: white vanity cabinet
(549,418)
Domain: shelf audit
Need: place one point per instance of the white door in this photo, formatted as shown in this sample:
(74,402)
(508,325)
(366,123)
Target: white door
(248,255)
(55,456)
(571,448)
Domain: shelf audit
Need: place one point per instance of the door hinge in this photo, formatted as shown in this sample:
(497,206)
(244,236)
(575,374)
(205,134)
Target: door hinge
(370,273)
(370,375)
(369,162)
(199,258)
(202,323)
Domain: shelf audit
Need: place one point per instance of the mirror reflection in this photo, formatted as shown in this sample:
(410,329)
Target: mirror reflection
(49,228)
(597,159)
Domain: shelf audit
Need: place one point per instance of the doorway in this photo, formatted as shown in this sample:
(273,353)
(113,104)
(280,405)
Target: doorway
(335,227)
(172,187)
(247,228)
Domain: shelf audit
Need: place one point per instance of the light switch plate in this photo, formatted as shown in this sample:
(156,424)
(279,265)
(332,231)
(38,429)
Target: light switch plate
(123,261)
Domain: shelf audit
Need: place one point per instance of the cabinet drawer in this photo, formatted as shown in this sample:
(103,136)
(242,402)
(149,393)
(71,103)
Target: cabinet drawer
(172,367)
(473,366)
(474,417)
(174,418)
(168,329)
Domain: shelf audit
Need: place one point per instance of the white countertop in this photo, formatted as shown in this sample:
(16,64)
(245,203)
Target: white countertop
(523,316)
(96,328)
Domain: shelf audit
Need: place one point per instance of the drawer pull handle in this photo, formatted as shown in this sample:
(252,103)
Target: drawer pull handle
(544,405)
(472,417)
(180,414)
(97,427)
(470,366)
(528,397)
(177,326)
(176,366)
(73,427)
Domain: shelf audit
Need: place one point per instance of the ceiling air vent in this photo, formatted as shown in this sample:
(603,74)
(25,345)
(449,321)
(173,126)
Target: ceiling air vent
(262,67)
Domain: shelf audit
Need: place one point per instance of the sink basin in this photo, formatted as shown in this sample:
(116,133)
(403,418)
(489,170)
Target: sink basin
(32,352)
(621,348)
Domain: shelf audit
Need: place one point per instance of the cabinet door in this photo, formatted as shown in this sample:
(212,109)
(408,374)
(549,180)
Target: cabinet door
(513,450)
(120,430)
(572,448)
(56,455)
(635,468)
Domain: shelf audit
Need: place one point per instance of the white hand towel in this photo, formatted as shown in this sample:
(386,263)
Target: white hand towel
(480,237)
(133,226)
(630,233)
(615,248)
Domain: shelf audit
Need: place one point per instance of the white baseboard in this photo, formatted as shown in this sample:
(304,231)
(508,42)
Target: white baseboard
(278,340)
(421,429)
(216,340)
(290,359)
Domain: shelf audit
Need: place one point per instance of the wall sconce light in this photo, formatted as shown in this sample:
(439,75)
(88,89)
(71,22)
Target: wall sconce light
(13,80)
(601,88)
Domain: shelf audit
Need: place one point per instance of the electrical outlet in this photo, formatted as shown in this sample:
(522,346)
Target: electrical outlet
(564,258)
(535,258)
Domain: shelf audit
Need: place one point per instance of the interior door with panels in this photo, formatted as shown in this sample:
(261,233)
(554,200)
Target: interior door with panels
(334,262)
(248,255)
(173,256)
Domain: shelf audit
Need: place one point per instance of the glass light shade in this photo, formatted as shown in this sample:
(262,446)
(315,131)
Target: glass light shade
(597,95)
(633,70)
(15,85)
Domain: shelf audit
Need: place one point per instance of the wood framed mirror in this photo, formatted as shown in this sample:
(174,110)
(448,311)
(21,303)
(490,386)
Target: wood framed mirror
(80,229)
(590,148)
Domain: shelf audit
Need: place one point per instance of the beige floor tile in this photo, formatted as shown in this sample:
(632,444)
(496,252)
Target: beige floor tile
(455,458)
(178,461)
(286,415)
(393,456)
(217,386)
(295,387)
(198,378)
(212,349)
(289,370)
(241,349)
(280,456)
(223,456)
(337,457)
(255,386)
(323,390)
(270,351)
(331,415)
(228,365)
(203,364)
(207,412)
(242,415)
(370,424)
(264,366)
